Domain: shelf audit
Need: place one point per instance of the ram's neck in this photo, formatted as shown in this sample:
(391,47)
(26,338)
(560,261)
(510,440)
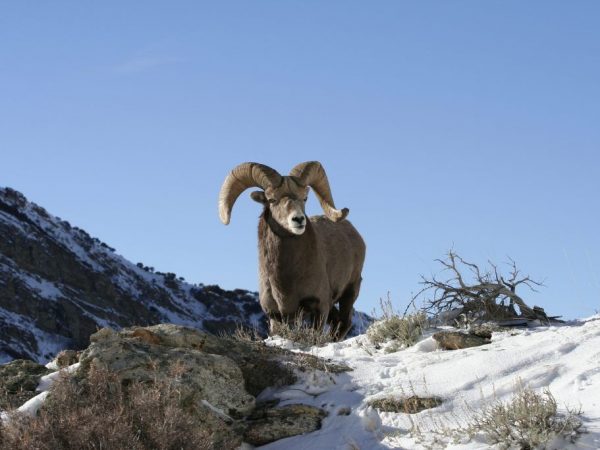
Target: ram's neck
(281,253)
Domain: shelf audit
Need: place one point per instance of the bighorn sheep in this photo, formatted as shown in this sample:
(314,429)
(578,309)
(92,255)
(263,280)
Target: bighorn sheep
(305,266)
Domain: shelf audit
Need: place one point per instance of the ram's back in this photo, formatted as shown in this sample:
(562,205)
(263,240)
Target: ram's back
(344,250)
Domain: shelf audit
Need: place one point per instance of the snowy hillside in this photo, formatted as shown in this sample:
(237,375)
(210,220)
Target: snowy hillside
(58,285)
(565,359)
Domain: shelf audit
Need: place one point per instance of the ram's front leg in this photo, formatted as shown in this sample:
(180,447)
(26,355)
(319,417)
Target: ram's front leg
(312,308)
(270,307)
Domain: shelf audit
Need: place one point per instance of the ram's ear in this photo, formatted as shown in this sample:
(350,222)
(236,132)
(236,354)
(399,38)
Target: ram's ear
(259,197)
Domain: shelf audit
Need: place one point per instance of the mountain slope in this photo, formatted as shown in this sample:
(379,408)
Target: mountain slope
(58,285)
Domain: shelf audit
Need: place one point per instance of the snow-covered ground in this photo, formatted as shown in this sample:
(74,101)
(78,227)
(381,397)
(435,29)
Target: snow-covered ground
(565,359)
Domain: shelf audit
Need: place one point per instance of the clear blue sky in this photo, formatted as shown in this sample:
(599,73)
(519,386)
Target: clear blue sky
(465,124)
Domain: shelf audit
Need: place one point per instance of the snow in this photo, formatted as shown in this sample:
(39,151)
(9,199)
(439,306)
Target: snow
(45,290)
(54,228)
(564,358)
(11,220)
(32,406)
(47,380)
(46,343)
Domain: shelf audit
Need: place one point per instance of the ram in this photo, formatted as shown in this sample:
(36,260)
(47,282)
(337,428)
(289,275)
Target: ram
(306,266)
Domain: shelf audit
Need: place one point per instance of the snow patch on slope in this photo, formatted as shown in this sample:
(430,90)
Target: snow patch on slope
(565,358)
(48,344)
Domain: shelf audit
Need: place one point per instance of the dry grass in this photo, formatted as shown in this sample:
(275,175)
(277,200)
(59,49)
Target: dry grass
(529,420)
(98,412)
(400,331)
(303,333)
(244,334)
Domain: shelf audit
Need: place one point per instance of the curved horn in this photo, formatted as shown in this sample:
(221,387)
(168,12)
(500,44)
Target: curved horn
(312,174)
(241,178)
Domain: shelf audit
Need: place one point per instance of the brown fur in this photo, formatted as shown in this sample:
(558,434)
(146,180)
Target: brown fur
(306,265)
(311,272)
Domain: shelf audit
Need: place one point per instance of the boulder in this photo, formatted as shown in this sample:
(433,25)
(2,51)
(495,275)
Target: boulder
(455,340)
(272,424)
(217,378)
(407,405)
(140,354)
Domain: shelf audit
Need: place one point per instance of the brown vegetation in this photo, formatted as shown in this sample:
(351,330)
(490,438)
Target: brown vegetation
(529,420)
(400,331)
(98,412)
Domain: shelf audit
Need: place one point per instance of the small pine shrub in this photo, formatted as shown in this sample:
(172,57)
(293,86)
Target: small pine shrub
(400,331)
(529,420)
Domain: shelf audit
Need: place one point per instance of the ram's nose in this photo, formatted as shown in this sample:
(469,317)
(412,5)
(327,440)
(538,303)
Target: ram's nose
(299,220)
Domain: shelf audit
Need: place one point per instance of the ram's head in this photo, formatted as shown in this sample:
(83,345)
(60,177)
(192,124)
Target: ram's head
(284,196)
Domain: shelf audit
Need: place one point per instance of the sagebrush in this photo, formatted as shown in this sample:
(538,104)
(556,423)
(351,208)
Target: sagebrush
(529,420)
(98,412)
(400,330)
(304,333)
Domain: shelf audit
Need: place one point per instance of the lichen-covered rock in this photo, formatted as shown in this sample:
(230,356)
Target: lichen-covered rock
(272,424)
(455,340)
(224,372)
(261,366)
(18,381)
(208,382)
(143,355)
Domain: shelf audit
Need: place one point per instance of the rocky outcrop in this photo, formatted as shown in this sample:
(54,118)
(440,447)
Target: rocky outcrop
(131,351)
(216,379)
(152,354)
(58,285)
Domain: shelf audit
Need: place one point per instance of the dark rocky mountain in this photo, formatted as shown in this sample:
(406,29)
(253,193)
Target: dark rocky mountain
(58,285)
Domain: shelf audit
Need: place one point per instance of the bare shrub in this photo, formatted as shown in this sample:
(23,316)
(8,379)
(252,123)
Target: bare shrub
(477,294)
(302,332)
(400,331)
(98,412)
(529,420)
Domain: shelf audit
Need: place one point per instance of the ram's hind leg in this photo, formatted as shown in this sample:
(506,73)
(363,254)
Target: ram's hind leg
(346,303)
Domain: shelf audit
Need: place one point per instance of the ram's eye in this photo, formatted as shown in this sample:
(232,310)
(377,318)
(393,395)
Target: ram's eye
(272,201)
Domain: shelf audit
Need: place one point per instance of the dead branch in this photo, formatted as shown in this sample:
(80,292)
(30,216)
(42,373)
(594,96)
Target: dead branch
(488,295)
